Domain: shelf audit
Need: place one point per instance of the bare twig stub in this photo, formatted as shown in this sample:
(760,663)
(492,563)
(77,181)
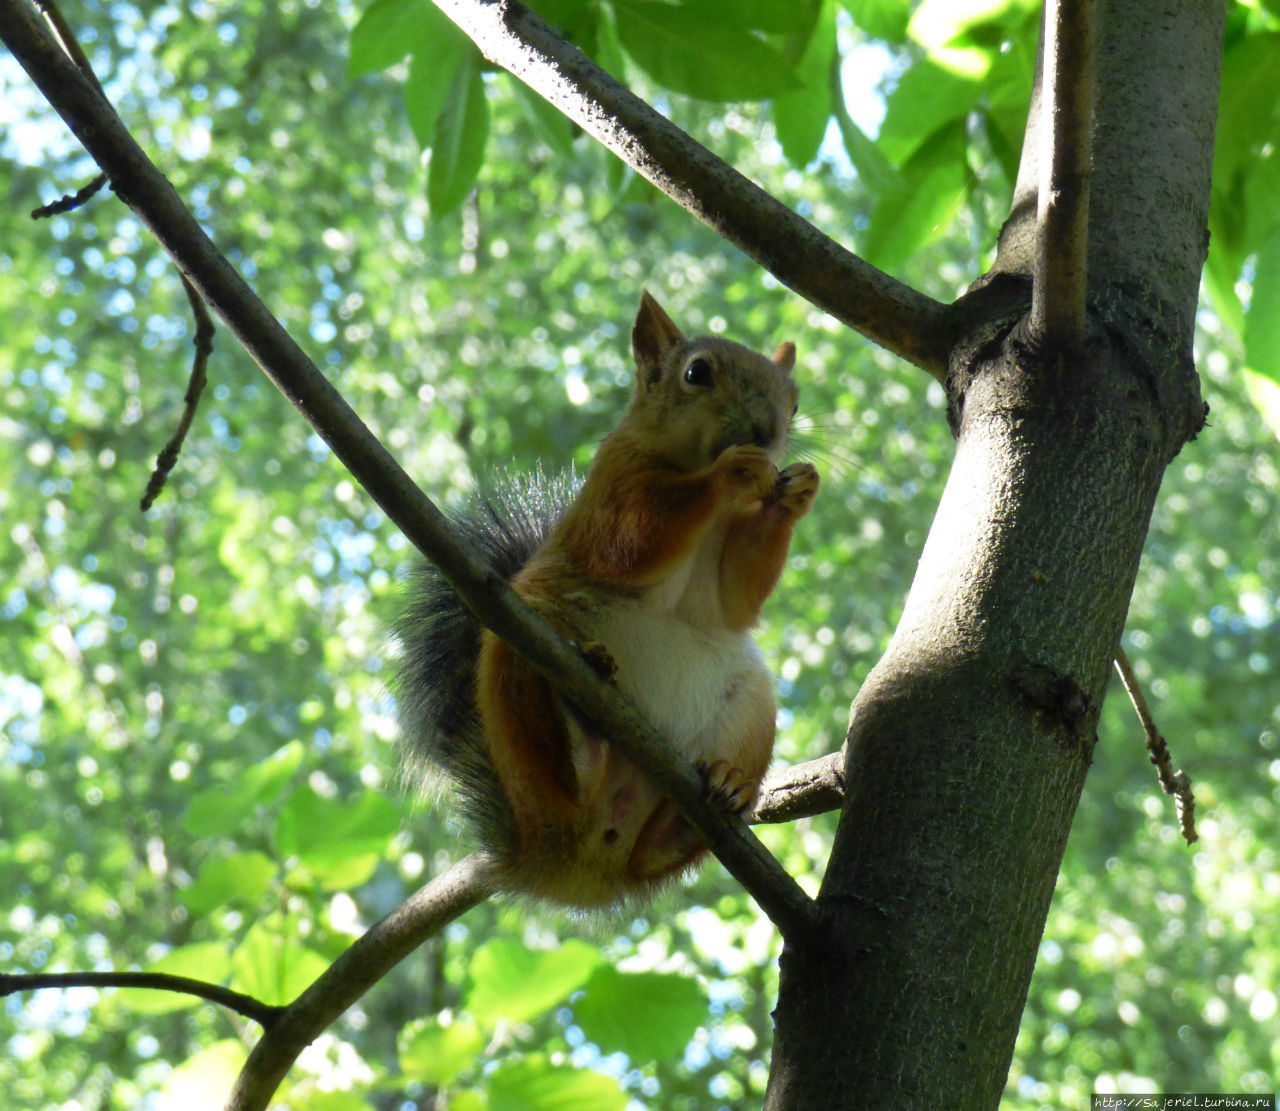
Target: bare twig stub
(203,342)
(1175,783)
(71,200)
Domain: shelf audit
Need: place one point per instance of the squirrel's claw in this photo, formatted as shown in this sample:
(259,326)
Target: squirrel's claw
(728,786)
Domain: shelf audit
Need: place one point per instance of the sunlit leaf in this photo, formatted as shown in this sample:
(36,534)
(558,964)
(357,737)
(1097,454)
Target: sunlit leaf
(203,1080)
(933,183)
(801,116)
(322,831)
(926,99)
(388,31)
(432,71)
(534,1084)
(881,19)
(272,964)
(437,1054)
(701,53)
(460,135)
(1262,321)
(649,1016)
(224,809)
(237,878)
(513,982)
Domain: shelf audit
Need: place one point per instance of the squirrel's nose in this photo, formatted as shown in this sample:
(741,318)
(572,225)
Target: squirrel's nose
(764,433)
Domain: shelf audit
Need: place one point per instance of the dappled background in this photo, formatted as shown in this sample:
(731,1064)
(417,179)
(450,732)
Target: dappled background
(197,769)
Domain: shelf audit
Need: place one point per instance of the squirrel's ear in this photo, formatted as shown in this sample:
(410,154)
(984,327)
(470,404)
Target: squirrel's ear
(785,356)
(654,334)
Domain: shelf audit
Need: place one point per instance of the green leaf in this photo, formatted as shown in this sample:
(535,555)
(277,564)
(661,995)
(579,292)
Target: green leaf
(1221,273)
(203,1079)
(552,124)
(512,982)
(801,116)
(881,19)
(1008,99)
(432,71)
(575,20)
(271,965)
(776,16)
(649,1016)
(339,840)
(926,99)
(939,22)
(224,809)
(436,1054)
(208,961)
(1262,321)
(460,135)
(1265,395)
(922,209)
(239,877)
(700,54)
(534,1084)
(872,166)
(387,32)
(1246,104)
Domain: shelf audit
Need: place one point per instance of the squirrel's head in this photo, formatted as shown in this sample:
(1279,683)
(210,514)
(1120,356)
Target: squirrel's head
(696,397)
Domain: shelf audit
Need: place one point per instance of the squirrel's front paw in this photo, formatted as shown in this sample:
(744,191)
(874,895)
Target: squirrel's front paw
(796,488)
(748,472)
(728,786)
(600,659)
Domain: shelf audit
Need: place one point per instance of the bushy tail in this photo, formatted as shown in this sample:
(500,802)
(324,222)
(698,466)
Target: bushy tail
(440,740)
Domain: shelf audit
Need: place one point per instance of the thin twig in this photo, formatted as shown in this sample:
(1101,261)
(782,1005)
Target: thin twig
(1058,296)
(886,311)
(801,790)
(70,201)
(168,457)
(1177,784)
(246,1005)
(486,593)
(203,342)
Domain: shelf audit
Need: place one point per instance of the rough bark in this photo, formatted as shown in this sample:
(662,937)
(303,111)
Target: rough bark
(969,744)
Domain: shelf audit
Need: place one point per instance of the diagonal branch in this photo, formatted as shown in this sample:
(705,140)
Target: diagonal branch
(883,309)
(157,204)
(370,957)
(1061,275)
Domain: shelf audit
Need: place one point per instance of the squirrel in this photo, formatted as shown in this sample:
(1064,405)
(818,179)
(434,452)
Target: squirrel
(657,568)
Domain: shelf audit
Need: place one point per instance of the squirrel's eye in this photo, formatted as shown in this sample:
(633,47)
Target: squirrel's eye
(794,410)
(698,373)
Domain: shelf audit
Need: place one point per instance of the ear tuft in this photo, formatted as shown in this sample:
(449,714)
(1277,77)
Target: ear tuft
(654,334)
(785,356)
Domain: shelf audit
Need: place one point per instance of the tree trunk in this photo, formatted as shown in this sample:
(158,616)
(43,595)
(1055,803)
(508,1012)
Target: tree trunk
(970,741)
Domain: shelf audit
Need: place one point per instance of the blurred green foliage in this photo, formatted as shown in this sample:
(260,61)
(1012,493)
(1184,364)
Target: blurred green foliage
(196,761)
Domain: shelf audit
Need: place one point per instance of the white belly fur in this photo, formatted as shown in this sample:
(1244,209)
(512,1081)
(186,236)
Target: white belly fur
(684,679)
